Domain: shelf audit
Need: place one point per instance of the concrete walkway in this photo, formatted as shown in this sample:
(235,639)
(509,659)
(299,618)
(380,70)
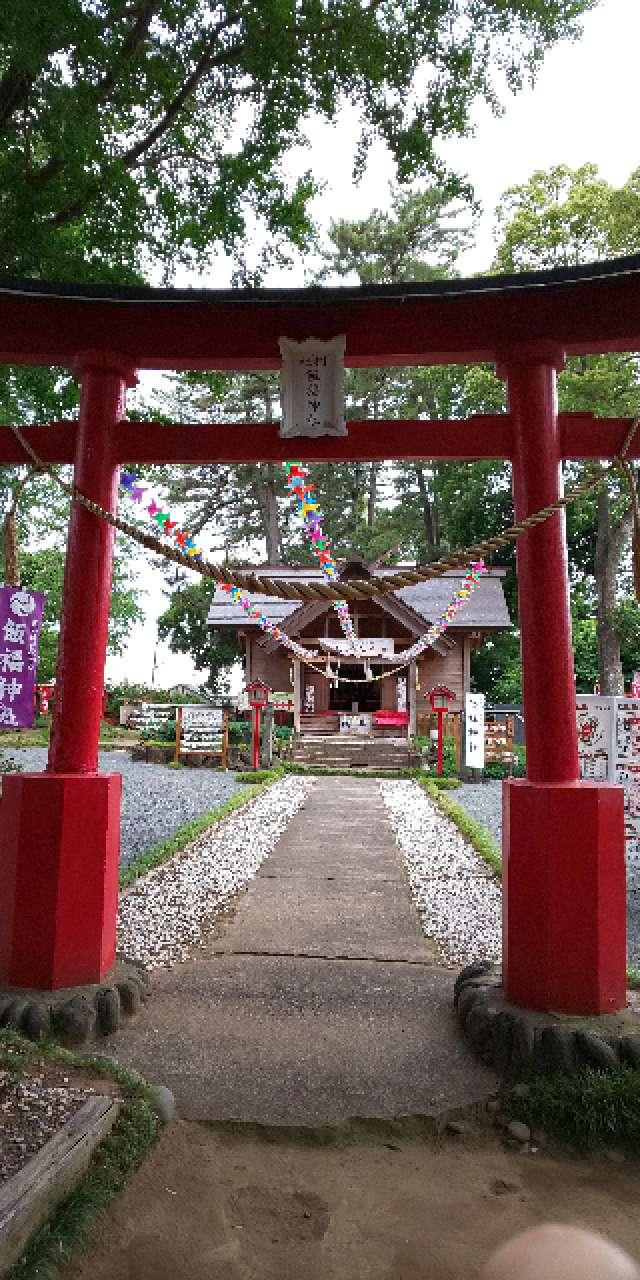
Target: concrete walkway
(318,999)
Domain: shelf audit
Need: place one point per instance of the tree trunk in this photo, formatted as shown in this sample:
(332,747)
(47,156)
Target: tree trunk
(429,512)
(10,549)
(373,494)
(610,542)
(272,528)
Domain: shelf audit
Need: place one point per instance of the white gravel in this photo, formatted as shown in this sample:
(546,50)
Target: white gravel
(459,901)
(168,910)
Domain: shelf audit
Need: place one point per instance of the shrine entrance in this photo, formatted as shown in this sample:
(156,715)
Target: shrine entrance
(563,856)
(354,693)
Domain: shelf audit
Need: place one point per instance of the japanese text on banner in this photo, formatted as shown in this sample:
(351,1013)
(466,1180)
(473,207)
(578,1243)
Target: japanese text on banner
(20,623)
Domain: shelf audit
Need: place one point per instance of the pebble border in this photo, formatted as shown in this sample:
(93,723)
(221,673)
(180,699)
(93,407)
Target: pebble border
(521,1041)
(76,1015)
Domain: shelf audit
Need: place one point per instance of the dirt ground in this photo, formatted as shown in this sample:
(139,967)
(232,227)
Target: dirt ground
(210,1204)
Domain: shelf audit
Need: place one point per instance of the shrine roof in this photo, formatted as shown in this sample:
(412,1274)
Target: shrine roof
(485,610)
(579,309)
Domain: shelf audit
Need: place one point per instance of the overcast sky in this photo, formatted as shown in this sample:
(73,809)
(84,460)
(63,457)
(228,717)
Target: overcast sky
(583,107)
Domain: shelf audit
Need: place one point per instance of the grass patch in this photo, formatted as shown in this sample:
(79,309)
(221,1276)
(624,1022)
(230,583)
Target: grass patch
(324,771)
(159,853)
(114,1162)
(477,835)
(589,1109)
(110,736)
(253,777)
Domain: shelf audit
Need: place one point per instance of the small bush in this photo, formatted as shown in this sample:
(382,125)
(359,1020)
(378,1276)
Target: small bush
(254,776)
(238,732)
(518,767)
(591,1108)
(444,784)
(449,763)
(160,734)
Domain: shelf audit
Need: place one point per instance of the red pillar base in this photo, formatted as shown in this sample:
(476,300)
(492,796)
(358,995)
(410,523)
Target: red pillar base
(59,854)
(564,903)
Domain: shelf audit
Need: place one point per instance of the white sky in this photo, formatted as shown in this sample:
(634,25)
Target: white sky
(583,107)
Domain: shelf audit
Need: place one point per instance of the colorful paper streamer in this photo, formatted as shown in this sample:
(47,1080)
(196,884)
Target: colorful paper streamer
(138,493)
(299,488)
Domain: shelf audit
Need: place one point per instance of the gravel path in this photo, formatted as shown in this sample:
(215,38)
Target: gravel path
(458,899)
(169,909)
(483,800)
(156,801)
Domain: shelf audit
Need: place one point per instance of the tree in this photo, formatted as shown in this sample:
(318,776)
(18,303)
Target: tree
(420,237)
(566,216)
(154,129)
(184,625)
(44,571)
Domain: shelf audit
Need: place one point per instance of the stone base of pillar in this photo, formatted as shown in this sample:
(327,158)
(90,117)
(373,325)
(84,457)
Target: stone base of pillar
(59,856)
(564,897)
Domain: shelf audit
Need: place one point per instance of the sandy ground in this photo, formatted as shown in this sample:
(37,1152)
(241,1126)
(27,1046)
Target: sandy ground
(210,1205)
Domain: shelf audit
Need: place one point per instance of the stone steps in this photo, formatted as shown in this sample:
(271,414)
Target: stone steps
(339,752)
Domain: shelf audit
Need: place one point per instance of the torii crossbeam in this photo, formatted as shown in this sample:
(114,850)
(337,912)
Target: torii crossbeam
(564,872)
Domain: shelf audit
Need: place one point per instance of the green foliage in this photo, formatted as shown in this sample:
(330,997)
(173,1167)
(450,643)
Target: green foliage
(449,762)
(44,571)
(562,215)
(589,1108)
(184,626)
(517,769)
(117,694)
(146,133)
(239,732)
(254,777)
(161,734)
(474,832)
(418,238)
(442,783)
(496,668)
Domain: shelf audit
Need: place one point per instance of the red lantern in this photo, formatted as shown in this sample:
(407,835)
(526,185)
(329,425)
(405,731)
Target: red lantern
(440,698)
(258,694)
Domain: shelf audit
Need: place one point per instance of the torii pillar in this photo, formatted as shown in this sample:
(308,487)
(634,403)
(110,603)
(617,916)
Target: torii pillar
(60,837)
(564,934)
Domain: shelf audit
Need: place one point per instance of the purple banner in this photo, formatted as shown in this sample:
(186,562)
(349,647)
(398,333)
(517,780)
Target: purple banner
(20,623)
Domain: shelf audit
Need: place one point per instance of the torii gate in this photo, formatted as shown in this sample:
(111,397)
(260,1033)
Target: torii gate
(564,874)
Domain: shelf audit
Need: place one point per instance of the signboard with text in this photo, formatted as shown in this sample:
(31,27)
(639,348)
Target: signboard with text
(312,387)
(474,730)
(609,751)
(20,623)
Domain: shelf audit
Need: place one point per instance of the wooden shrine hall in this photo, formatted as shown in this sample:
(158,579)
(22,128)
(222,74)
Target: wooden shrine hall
(367,695)
(564,945)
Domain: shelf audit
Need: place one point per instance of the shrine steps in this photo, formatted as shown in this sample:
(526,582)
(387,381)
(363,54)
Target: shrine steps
(337,751)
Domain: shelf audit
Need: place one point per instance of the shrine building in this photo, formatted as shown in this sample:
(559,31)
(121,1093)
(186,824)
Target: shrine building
(384,696)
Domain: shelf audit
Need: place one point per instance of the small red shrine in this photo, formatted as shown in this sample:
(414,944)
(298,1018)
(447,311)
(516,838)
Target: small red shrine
(564,873)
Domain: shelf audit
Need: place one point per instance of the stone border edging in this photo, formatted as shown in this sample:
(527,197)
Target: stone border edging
(77,1014)
(28,1198)
(517,1041)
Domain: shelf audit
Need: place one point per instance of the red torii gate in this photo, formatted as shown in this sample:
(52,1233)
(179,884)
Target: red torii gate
(564,875)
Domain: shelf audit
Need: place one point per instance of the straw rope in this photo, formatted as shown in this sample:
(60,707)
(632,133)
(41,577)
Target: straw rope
(349,589)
